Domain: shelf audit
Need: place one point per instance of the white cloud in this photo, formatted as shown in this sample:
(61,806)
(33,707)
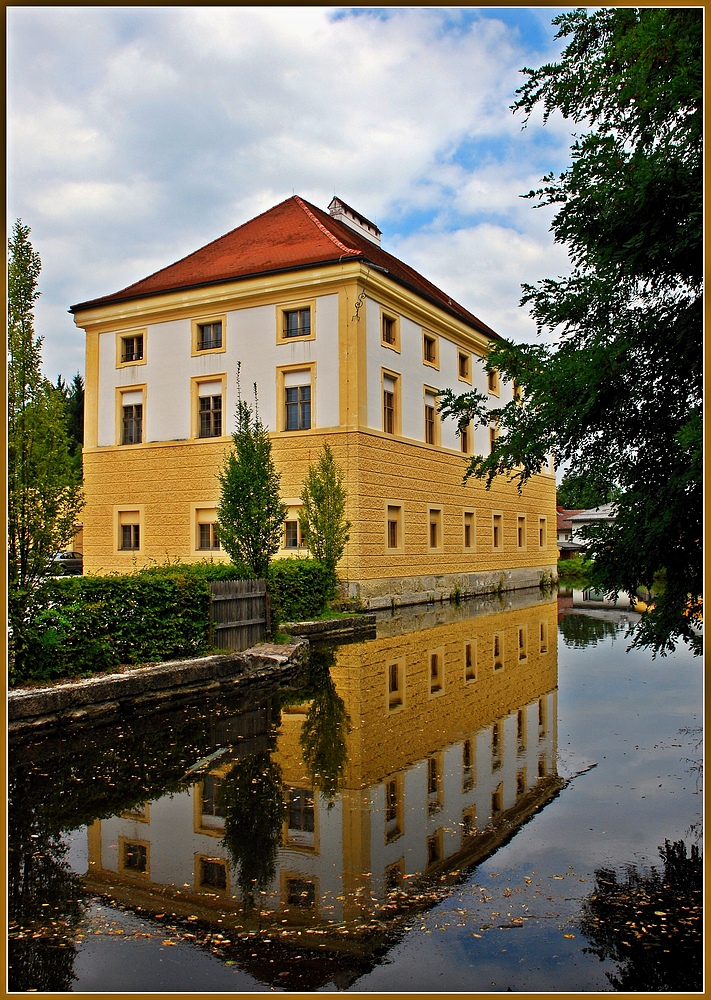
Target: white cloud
(138,134)
(483,267)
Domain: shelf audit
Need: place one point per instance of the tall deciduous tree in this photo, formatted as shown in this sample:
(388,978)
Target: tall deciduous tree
(582,492)
(250,513)
(44,492)
(322,518)
(619,395)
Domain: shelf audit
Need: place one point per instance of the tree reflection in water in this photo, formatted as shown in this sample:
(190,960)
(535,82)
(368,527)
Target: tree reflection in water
(323,736)
(650,923)
(45,907)
(254,809)
(579,631)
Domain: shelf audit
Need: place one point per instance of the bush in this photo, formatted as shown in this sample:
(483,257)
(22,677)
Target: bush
(576,569)
(86,624)
(299,589)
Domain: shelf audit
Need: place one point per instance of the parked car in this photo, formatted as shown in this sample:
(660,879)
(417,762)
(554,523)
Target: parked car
(66,563)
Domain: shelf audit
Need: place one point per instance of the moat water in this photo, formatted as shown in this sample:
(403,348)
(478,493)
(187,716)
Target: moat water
(484,797)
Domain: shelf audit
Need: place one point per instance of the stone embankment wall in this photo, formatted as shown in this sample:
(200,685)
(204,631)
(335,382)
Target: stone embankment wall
(154,686)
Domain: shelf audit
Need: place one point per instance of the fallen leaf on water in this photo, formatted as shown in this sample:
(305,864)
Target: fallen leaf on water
(569,935)
(171,943)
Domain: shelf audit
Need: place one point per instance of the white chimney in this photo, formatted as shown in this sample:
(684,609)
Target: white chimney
(344,213)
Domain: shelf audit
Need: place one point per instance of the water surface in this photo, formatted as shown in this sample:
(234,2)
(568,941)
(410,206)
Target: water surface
(456,805)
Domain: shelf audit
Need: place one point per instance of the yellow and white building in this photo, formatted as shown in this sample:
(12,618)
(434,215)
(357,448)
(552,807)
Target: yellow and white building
(347,344)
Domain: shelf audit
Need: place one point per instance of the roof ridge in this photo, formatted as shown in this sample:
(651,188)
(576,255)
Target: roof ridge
(334,239)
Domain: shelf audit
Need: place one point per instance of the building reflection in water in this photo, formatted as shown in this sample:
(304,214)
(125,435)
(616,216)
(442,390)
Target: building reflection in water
(415,755)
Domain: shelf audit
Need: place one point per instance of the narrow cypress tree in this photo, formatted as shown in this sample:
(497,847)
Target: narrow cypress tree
(324,527)
(250,514)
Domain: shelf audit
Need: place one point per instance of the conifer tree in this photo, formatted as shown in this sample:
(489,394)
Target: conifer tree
(322,518)
(250,514)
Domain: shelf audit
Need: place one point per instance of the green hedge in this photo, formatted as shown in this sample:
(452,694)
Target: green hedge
(299,589)
(86,624)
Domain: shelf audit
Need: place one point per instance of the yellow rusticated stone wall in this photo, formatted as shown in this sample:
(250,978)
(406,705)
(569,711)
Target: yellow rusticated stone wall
(165,481)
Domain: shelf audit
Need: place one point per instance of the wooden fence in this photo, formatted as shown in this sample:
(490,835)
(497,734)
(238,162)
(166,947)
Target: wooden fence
(239,613)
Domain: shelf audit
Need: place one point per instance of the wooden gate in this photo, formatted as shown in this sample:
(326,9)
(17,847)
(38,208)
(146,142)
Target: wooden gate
(239,613)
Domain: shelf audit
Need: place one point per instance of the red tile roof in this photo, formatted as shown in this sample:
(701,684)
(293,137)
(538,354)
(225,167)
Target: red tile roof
(563,517)
(292,235)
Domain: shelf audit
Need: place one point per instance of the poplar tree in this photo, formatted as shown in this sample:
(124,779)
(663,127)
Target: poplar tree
(250,514)
(44,483)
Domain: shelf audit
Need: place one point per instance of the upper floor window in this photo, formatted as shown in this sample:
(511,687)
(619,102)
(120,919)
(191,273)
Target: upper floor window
(390,331)
(430,350)
(131,348)
(132,432)
(296,398)
(208,335)
(297,407)
(493,382)
(131,415)
(391,403)
(295,322)
(464,366)
(209,407)
(431,422)
(210,416)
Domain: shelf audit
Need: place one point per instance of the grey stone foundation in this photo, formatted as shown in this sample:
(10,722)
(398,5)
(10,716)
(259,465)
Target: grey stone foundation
(394,592)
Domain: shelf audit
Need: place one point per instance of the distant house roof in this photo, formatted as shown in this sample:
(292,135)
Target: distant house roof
(606,512)
(563,516)
(290,236)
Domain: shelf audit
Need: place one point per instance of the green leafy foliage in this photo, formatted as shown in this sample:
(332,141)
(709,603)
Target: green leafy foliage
(619,395)
(44,481)
(83,625)
(582,492)
(322,517)
(250,513)
(577,569)
(299,589)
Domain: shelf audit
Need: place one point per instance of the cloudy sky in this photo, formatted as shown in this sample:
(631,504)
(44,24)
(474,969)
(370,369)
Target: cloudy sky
(138,134)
